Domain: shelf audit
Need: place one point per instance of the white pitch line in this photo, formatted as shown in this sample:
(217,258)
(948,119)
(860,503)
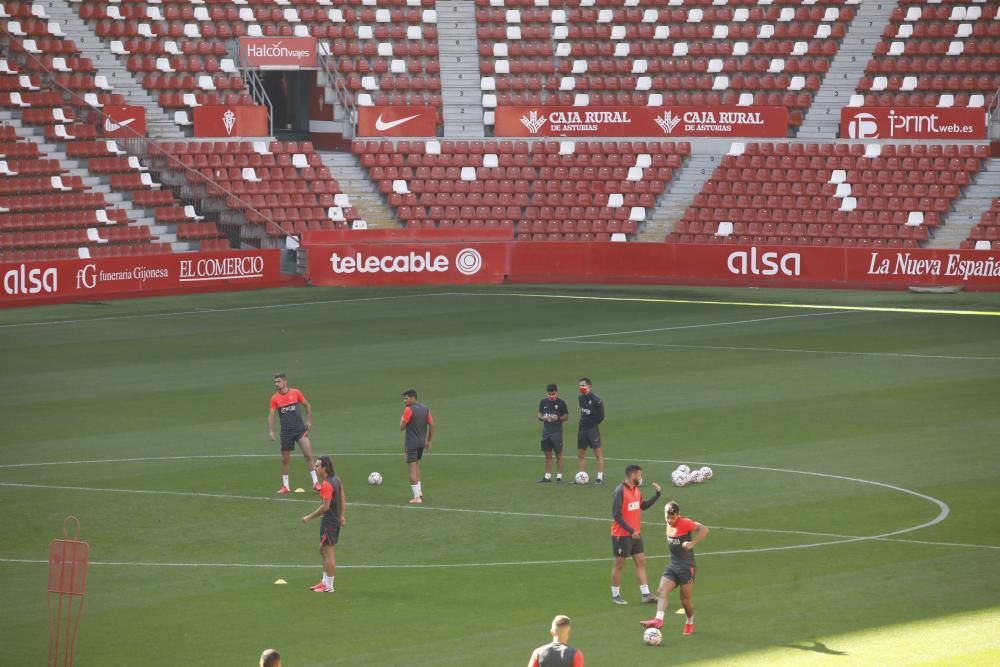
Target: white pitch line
(738,348)
(574,339)
(205,311)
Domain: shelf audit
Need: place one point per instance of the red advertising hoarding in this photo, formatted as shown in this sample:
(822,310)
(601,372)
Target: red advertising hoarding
(224,120)
(68,280)
(777,266)
(408,121)
(912,123)
(364,264)
(278,52)
(670,121)
(122,122)
(415,263)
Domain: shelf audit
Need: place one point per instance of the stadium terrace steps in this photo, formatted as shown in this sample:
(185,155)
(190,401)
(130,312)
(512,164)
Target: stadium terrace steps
(822,121)
(158,123)
(976,200)
(460,78)
(365,197)
(680,192)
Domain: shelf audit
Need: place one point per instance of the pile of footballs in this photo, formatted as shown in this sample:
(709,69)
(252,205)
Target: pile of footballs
(683,475)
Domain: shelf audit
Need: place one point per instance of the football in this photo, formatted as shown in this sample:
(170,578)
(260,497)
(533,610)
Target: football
(652,637)
(683,468)
(375,479)
(707,472)
(679,478)
(582,478)
(697,476)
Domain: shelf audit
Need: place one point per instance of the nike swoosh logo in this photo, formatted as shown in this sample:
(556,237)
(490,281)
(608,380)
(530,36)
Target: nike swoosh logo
(111,125)
(382,126)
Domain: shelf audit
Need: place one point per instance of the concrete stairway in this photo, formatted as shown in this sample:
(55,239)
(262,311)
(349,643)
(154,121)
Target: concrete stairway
(138,215)
(822,121)
(364,194)
(977,198)
(158,124)
(681,190)
(460,77)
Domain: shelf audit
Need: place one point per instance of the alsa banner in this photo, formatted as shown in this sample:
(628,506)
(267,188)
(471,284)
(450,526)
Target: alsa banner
(124,122)
(25,282)
(408,121)
(278,52)
(669,121)
(225,120)
(358,264)
(790,266)
(912,123)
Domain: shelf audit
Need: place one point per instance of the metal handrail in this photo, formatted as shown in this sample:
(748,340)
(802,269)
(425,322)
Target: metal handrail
(993,117)
(252,80)
(140,145)
(336,81)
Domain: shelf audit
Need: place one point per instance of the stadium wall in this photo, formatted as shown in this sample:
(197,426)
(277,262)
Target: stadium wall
(28,283)
(397,262)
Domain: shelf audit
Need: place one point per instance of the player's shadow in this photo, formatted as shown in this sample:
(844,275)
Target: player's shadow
(816,647)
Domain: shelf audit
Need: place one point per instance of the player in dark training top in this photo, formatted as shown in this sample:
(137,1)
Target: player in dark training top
(557,653)
(682,536)
(418,423)
(627,506)
(285,402)
(331,493)
(589,433)
(552,412)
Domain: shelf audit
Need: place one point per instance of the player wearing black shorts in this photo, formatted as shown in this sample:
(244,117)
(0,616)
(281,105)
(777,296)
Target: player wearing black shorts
(285,403)
(552,412)
(682,536)
(589,433)
(331,494)
(418,423)
(627,505)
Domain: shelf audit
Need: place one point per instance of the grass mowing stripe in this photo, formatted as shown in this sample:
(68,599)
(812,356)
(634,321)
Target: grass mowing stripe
(752,304)
(738,348)
(687,326)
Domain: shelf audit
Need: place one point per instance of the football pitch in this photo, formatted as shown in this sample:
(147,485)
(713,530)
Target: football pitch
(854,437)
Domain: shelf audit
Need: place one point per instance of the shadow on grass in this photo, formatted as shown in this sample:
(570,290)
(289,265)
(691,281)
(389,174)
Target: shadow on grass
(815,646)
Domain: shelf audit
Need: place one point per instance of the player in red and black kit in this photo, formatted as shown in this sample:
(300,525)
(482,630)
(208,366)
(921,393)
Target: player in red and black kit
(418,423)
(331,492)
(286,403)
(557,653)
(682,536)
(626,541)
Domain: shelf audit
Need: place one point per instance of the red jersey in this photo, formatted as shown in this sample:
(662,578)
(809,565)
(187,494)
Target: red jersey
(286,405)
(626,508)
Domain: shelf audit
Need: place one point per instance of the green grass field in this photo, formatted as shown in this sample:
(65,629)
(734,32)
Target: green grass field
(854,510)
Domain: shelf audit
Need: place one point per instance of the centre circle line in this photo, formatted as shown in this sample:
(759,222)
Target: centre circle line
(943,513)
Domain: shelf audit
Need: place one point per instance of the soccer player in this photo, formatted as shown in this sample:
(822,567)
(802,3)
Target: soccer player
(558,653)
(682,536)
(418,423)
(552,412)
(589,435)
(270,658)
(331,492)
(286,402)
(627,505)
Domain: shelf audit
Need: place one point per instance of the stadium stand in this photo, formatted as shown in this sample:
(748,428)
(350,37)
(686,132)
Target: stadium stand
(986,234)
(269,189)
(944,53)
(543,190)
(649,52)
(829,194)
(385,50)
